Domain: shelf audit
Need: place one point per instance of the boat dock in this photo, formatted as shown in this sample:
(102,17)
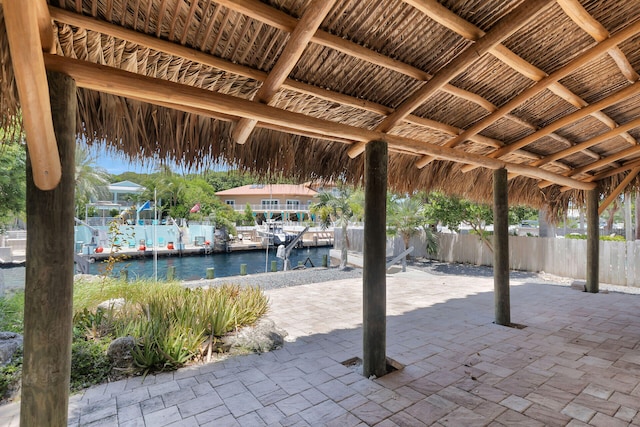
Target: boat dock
(13,252)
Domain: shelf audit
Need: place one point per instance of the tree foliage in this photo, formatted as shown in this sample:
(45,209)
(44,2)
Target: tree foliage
(13,159)
(406,217)
(339,209)
(91,181)
(454,211)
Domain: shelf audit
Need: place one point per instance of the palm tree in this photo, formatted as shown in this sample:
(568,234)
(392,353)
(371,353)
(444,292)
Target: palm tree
(91,180)
(338,209)
(406,218)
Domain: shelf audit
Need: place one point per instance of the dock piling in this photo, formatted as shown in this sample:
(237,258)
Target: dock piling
(171,272)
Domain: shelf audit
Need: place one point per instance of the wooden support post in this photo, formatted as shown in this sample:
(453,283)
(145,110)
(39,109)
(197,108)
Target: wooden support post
(501,247)
(593,241)
(49,274)
(374,360)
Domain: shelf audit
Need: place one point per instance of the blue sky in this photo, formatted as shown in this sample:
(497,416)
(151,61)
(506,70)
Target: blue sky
(116,164)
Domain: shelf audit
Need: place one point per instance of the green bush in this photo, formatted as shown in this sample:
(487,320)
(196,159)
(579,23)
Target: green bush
(89,363)
(614,238)
(10,375)
(172,326)
(12,313)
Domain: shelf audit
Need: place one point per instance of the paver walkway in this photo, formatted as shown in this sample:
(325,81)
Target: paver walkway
(576,363)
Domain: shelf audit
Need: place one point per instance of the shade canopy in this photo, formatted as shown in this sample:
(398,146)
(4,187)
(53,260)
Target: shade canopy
(546,89)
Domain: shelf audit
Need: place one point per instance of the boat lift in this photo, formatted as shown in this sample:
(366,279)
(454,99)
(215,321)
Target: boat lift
(284,252)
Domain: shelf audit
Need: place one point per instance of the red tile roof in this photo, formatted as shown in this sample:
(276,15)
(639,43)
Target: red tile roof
(269,190)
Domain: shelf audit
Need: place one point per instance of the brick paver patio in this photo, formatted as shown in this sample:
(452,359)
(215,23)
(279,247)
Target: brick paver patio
(576,363)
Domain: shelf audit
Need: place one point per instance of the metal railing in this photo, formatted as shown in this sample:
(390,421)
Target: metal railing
(282,207)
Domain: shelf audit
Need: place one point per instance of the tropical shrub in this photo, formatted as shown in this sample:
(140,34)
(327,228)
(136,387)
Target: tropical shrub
(89,363)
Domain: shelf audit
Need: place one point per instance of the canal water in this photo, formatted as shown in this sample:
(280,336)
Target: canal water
(225,264)
(187,267)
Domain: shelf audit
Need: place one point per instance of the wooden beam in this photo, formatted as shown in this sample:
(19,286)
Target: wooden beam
(589,24)
(589,143)
(102,27)
(605,161)
(618,190)
(593,241)
(48,296)
(26,56)
(297,43)
(469,31)
(504,28)
(127,84)
(546,82)
(568,119)
(45,27)
(620,169)
(446,18)
(374,284)
(502,301)
(280,20)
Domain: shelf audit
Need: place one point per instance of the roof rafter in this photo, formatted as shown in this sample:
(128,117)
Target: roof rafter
(504,28)
(568,119)
(597,164)
(589,143)
(151,42)
(297,43)
(584,20)
(466,29)
(543,84)
(618,190)
(183,97)
(280,20)
(25,22)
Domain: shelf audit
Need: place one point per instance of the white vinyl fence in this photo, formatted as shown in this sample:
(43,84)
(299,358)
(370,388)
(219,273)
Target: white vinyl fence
(619,261)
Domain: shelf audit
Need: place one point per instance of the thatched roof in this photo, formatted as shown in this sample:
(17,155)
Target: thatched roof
(547,89)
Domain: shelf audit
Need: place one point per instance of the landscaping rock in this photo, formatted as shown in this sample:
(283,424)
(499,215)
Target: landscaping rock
(10,343)
(112,304)
(120,354)
(262,337)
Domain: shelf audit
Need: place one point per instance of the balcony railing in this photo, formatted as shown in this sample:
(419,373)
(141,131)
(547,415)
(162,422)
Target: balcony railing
(282,207)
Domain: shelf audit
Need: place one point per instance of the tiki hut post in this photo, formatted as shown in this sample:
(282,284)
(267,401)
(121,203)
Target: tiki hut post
(49,275)
(501,247)
(593,241)
(374,280)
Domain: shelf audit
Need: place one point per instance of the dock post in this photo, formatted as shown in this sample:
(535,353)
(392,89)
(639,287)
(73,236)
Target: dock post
(325,260)
(211,273)
(274,266)
(243,269)
(171,272)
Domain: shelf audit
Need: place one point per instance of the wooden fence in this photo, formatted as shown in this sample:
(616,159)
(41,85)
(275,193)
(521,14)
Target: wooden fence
(619,261)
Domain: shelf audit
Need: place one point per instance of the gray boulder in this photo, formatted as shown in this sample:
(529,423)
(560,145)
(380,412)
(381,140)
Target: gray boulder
(10,343)
(112,304)
(262,337)
(120,355)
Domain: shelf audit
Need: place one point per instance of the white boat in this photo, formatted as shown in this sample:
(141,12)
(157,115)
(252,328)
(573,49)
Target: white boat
(274,232)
